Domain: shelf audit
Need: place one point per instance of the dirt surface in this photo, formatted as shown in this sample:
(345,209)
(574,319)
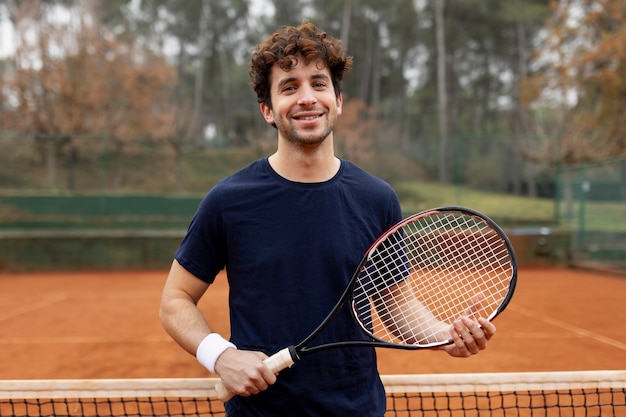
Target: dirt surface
(105,325)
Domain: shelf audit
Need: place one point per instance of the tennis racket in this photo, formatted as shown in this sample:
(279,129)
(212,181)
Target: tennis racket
(417,279)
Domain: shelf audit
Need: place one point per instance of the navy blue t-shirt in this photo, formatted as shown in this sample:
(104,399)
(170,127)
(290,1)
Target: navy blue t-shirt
(289,250)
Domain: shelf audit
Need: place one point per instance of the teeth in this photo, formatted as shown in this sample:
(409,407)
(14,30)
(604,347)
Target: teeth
(307,118)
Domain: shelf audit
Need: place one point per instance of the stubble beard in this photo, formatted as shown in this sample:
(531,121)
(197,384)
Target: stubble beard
(304,138)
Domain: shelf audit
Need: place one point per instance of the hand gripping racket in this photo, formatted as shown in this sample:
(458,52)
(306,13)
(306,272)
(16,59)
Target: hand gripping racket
(416,280)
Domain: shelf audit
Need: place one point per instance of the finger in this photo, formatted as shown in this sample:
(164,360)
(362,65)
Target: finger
(488,327)
(458,348)
(479,337)
(269,377)
(463,329)
(476,304)
(473,337)
(258,387)
(253,386)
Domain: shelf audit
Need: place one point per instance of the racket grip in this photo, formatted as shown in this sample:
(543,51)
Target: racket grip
(277,362)
(282,359)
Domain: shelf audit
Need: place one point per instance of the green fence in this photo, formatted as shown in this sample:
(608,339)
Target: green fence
(87,250)
(95,211)
(591,201)
(108,232)
(97,232)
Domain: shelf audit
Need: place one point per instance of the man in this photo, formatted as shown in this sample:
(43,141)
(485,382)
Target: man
(290,229)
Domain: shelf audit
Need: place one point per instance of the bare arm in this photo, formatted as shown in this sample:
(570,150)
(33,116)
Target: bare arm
(402,311)
(242,372)
(179,313)
(468,335)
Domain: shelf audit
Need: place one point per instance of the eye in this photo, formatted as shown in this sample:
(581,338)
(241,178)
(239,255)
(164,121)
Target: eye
(319,85)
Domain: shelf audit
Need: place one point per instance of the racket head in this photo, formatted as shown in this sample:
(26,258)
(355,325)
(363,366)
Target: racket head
(429,270)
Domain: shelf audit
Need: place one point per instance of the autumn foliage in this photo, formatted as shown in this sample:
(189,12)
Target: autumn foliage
(82,81)
(583,62)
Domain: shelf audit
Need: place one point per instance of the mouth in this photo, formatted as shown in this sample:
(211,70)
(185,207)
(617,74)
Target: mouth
(307,117)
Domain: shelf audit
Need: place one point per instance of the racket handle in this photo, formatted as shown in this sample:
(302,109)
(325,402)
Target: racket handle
(282,359)
(277,362)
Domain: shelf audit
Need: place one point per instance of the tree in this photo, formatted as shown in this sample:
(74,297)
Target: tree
(442,91)
(213,47)
(80,81)
(581,69)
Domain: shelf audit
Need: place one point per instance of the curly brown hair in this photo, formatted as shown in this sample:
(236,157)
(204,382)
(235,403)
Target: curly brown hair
(286,45)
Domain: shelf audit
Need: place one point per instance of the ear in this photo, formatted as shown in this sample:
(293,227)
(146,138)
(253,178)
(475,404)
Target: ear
(267,113)
(339,103)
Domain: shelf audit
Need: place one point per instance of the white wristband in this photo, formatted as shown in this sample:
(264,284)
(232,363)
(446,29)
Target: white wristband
(210,349)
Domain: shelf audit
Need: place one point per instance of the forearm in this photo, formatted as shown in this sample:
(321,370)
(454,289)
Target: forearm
(410,320)
(180,316)
(423,328)
(184,322)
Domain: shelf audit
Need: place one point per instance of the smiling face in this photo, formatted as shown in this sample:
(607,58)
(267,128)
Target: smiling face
(304,105)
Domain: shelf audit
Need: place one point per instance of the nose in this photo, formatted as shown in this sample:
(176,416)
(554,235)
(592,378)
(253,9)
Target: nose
(307,98)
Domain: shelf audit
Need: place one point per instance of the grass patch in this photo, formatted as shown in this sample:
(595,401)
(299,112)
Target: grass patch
(515,211)
(509,210)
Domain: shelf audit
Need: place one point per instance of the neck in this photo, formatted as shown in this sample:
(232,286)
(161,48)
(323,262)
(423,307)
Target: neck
(305,166)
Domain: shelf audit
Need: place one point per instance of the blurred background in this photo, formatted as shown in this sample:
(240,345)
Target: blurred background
(117,116)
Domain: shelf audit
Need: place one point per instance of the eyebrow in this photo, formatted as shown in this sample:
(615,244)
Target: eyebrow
(319,76)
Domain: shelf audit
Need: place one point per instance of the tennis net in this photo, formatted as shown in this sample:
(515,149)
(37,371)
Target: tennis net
(545,394)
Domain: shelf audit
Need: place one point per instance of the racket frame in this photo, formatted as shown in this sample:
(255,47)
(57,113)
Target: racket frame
(290,355)
(301,349)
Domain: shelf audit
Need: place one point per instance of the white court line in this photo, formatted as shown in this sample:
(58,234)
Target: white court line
(574,329)
(33,306)
(540,335)
(80,340)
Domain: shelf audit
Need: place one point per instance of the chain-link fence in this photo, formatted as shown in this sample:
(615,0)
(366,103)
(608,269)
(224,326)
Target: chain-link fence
(591,201)
(88,183)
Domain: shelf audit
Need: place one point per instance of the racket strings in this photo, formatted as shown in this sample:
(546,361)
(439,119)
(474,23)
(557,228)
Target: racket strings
(398,317)
(472,250)
(428,273)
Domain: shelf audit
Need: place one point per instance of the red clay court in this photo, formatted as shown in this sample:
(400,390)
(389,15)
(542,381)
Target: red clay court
(88,325)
